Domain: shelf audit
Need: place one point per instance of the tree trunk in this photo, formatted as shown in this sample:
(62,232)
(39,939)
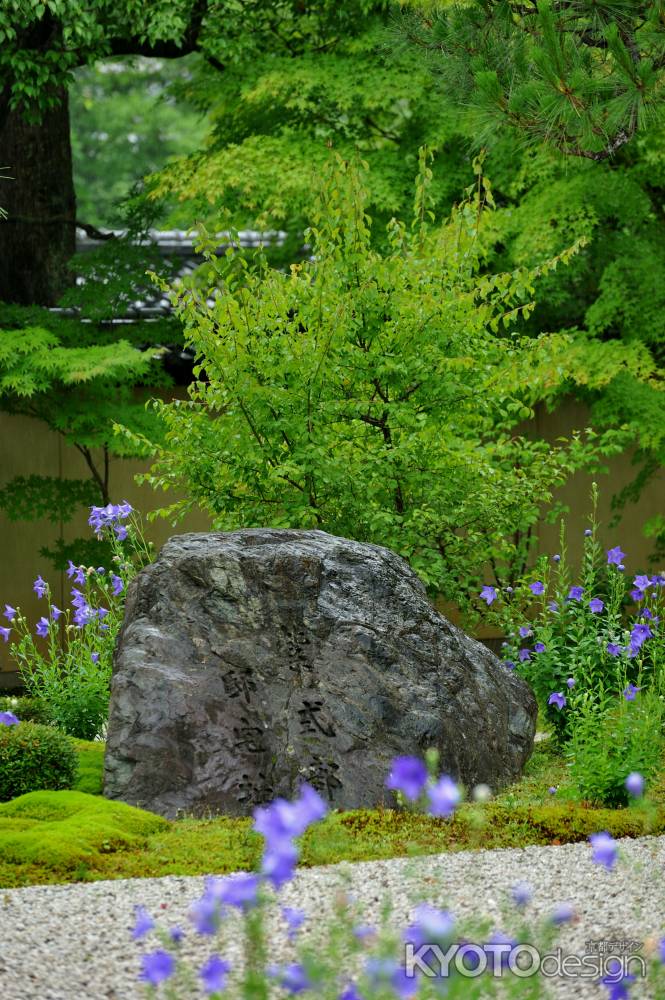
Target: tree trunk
(39,236)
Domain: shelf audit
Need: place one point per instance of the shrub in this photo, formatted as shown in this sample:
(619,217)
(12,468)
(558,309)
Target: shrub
(610,741)
(34,757)
(27,709)
(368,394)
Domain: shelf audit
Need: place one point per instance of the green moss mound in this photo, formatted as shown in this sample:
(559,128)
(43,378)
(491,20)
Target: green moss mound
(90,776)
(64,830)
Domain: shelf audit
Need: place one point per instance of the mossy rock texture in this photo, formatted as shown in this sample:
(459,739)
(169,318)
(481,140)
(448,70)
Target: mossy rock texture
(66,829)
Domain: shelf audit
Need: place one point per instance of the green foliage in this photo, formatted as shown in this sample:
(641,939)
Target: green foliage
(373,394)
(612,740)
(126,124)
(594,648)
(41,43)
(74,376)
(583,77)
(32,497)
(281,82)
(33,361)
(302,80)
(33,756)
(602,650)
(113,276)
(360,87)
(26,709)
(77,378)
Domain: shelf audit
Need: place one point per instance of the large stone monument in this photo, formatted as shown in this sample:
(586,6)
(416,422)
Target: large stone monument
(252,661)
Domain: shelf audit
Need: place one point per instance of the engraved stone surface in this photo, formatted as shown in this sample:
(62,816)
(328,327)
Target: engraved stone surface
(252,661)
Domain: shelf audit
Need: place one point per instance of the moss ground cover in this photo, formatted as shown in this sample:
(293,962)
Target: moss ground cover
(91,767)
(50,837)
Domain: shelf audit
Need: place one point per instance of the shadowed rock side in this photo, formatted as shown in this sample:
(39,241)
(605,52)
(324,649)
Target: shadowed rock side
(252,661)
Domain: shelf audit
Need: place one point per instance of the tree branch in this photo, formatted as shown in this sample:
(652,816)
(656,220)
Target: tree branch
(93,469)
(92,231)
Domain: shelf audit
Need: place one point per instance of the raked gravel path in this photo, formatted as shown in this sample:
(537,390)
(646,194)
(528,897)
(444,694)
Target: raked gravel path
(72,942)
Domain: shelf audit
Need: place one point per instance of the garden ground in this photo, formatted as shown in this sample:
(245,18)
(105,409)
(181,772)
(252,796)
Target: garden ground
(73,941)
(77,836)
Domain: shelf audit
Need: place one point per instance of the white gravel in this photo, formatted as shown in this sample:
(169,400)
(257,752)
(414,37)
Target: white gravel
(72,942)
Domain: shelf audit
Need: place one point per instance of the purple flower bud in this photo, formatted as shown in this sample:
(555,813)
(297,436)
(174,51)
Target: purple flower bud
(430,926)
(156,967)
(635,784)
(522,893)
(42,627)
(604,849)
(292,977)
(143,923)
(363,931)
(408,775)
(235,890)
(444,797)
(294,919)
(562,913)
(214,974)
